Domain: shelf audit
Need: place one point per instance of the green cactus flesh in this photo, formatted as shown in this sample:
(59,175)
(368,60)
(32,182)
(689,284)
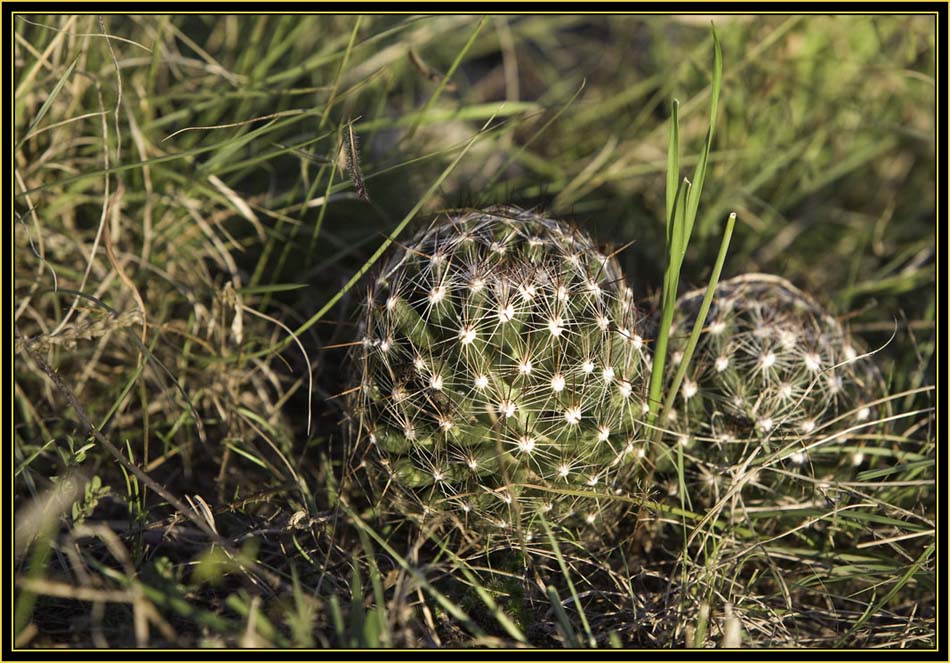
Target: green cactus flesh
(775,382)
(502,375)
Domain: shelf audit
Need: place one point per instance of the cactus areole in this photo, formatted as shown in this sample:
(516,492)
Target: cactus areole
(502,376)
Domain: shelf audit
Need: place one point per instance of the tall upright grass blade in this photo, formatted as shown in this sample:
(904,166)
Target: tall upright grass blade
(698,325)
(681,215)
(672,167)
(699,176)
(375,577)
(339,72)
(668,301)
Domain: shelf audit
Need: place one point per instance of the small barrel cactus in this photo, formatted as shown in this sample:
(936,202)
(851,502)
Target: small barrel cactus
(775,380)
(502,375)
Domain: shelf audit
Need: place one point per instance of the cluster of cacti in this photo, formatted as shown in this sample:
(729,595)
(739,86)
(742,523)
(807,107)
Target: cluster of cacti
(775,383)
(502,375)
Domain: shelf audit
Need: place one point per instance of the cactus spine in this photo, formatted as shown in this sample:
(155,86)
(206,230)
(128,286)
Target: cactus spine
(502,375)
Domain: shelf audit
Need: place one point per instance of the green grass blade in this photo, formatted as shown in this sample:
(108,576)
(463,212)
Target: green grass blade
(522,150)
(903,580)
(591,640)
(500,616)
(375,577)
(682,215)
(448,76)
(670,284)
(269,288)
(357,613)
(672,167)
(44,109)
(474,112)
(447,605)
(316,317)
(699,176)
(216,148)
(567,629)
(336,616)
(698,325)
(339,73)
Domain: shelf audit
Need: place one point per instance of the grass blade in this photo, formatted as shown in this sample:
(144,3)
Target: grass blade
(698,325)
(448,76)
(339,73)
(358,275)
(670,284)
(672,167)
(699,176)
(591,640)
(500,616)
(451,608)
(682,215)
(44,109)
(563,621)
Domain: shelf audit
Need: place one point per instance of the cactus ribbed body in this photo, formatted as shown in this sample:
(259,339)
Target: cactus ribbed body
(774,374)
(502,374)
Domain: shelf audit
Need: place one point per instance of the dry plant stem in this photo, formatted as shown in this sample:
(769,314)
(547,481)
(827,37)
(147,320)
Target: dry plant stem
(69,591)
(273,582)
(110,252)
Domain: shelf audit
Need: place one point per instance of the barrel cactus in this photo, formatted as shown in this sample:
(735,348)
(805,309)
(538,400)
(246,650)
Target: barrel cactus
(502,376)
(775,388)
